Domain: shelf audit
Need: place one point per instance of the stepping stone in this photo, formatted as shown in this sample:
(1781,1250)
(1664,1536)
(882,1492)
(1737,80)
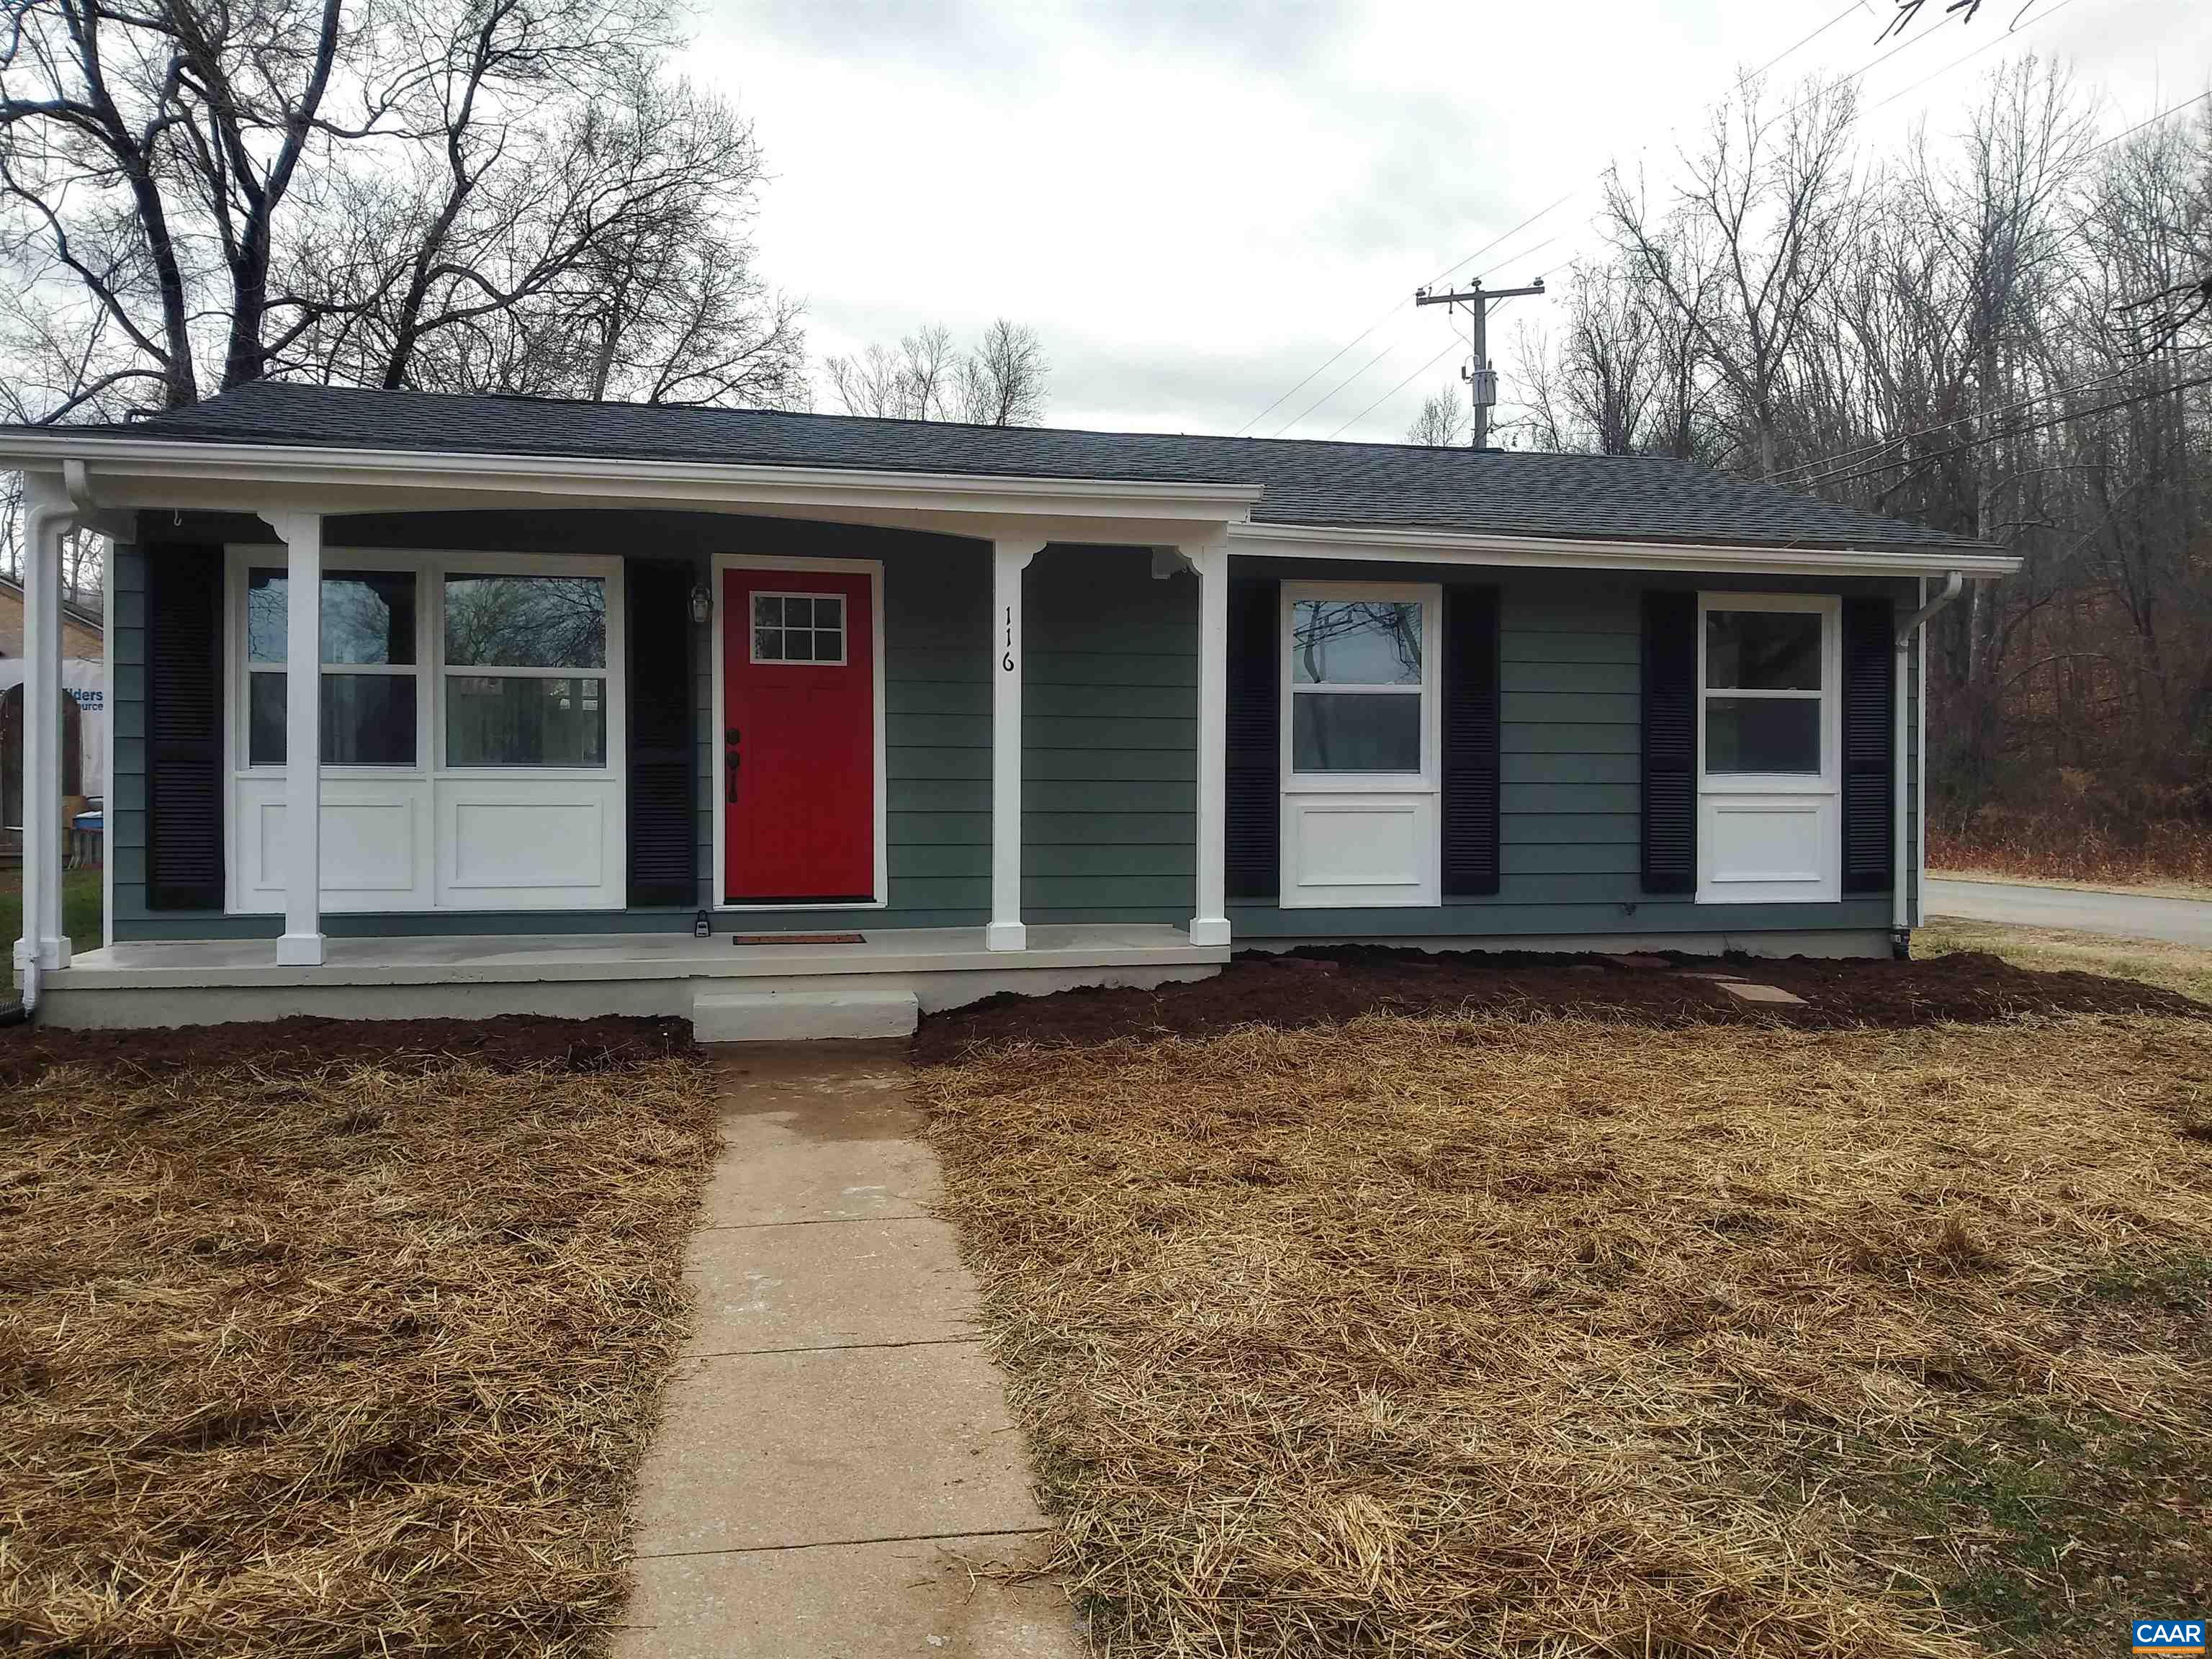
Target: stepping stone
(1747,993)
(1632,959)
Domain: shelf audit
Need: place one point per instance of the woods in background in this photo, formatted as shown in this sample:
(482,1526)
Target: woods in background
(1998,332)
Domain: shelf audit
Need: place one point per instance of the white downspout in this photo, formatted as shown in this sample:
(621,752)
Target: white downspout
(1900,915)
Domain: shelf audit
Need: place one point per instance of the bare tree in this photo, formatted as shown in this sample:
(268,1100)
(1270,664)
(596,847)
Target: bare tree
(1745,254)
(1001,381)
(506,194)
(1442,421)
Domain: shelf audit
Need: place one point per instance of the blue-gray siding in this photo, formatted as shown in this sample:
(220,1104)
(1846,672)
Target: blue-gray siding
(1108,740)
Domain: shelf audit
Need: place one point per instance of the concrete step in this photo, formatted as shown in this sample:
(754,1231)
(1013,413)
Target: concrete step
(735,1015)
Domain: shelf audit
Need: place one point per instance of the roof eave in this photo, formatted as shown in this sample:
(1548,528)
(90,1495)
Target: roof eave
(127,471)
(1594,553)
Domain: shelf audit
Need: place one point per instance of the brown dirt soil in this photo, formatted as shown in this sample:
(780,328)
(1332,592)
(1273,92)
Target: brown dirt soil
(1321,985)
(506,1043)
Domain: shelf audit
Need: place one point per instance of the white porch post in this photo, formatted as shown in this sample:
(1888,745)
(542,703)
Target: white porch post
(301,942)
(47,518)
(1210,563)
(1008,560)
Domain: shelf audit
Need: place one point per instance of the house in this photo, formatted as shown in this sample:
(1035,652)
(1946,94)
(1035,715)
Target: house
(84,682)
(899,714)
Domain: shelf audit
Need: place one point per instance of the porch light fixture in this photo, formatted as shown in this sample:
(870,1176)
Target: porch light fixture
(703,604)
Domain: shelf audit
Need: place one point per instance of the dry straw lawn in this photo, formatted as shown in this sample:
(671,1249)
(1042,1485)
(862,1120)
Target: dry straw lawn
(355,1360)
(1443,1336)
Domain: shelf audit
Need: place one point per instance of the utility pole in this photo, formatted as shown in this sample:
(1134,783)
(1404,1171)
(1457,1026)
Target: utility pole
(1481,378)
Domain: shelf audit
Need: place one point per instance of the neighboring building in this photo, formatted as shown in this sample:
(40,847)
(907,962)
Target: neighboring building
(84,676)
(1020,707)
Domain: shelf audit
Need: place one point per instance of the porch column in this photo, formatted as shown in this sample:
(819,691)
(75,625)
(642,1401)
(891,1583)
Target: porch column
(1008,560)
(48,519)
(1210,561)
(301,945)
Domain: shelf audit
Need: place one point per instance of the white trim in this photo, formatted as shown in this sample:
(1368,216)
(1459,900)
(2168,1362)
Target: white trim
(1210,563)
(301,945)
(108,743)
(1773,794)
(1009,559)
(1412,802)
(873,569)
(1441,547)
(1920,756)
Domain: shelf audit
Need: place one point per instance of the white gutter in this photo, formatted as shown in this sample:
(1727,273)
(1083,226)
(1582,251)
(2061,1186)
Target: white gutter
(1441,547)
(1900,915)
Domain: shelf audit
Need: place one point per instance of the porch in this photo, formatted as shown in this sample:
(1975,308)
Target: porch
(749,986)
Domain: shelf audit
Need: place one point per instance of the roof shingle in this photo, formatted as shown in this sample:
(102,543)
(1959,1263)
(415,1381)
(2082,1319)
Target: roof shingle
(1605,497)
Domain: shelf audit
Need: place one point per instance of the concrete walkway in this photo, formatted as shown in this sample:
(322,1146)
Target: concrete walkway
(835,1453)
(2122,915)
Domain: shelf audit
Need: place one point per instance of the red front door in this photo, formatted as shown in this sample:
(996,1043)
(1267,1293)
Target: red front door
(798,738)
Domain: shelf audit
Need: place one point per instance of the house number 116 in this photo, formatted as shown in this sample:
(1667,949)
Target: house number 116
(1006,662)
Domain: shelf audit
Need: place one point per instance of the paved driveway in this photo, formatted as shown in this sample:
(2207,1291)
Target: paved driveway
(2124,916)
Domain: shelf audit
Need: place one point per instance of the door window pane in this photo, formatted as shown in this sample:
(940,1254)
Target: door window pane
(1355,642)
(496,721)
(1353,732)
(367,719)
(799,627)
(1763,650)
(525,621)
(368,616)
(1762,734)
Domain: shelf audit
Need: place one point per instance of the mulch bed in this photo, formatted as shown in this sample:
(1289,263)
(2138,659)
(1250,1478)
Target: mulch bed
(1320,986)
(506,1043)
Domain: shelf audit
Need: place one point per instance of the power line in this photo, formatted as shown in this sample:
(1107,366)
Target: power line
(1384,317)
(1401,385)
(1994,41)
(1809,39)
(2131,131)
(1458,265)
(1849,455)
(2013,432)
(1338,387)
(1365,333)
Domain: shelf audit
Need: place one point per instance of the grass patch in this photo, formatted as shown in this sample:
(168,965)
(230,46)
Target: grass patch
(2169,967)
(355,1358)
(1552,1336)
(83,907)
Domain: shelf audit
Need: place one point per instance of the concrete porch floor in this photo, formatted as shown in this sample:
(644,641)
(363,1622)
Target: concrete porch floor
(420,976)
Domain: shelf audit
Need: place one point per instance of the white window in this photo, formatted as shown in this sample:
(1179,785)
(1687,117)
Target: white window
(1359,745)
(1769,822)
(471,730)
(513,648)
(368,661)
(1356,679)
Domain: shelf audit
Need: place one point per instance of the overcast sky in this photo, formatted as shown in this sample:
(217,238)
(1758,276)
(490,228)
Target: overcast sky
(1196,203)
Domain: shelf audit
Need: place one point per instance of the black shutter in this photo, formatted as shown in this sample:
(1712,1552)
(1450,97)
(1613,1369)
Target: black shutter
(1670,742)
(183,727)
(662,784)
(1470,757)
(1253,804)
(1870,686)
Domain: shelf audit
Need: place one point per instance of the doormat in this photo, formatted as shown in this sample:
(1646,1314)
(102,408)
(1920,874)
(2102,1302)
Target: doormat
(797,938)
